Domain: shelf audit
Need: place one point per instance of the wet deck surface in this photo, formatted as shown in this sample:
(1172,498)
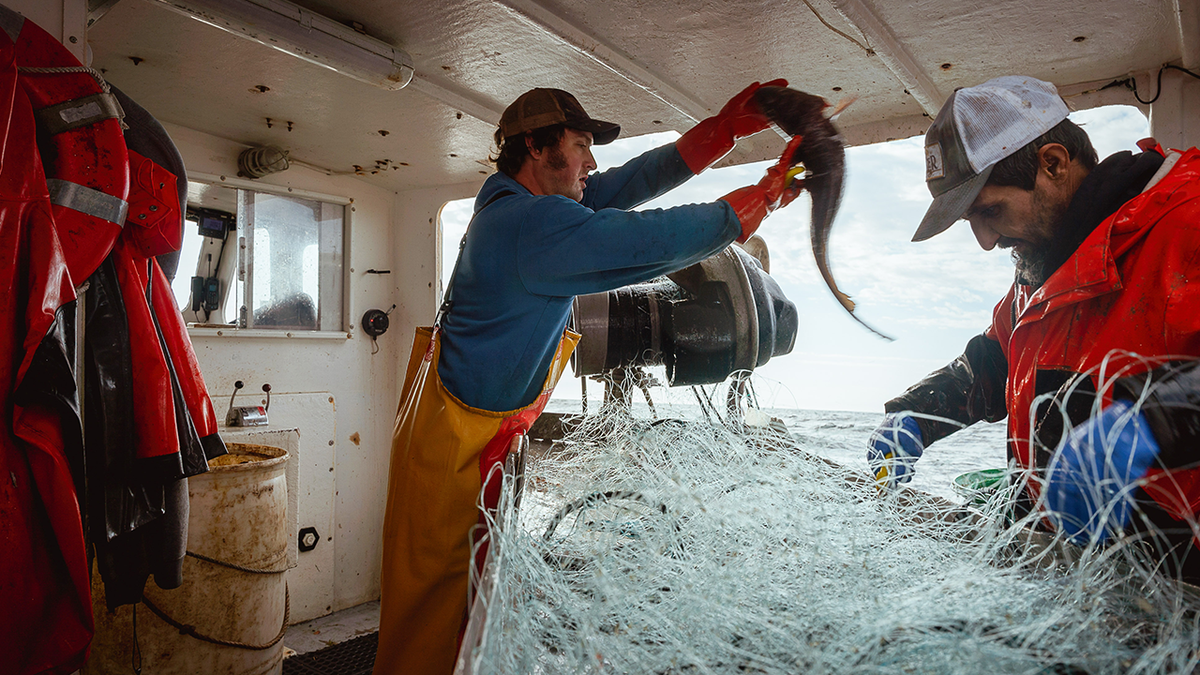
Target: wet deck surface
(333,629)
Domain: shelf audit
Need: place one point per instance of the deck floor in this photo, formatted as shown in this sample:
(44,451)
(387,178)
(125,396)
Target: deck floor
(342,643)
(353,657)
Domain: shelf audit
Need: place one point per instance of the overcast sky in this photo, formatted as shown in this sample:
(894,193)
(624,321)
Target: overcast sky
(932,297)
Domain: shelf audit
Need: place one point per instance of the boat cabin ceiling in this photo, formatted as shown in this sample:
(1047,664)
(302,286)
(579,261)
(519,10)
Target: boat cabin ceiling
(648,65)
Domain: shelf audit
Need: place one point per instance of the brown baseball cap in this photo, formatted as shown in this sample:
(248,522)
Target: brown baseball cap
(540,107)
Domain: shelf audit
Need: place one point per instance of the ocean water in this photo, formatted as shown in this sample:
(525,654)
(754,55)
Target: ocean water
(842,437)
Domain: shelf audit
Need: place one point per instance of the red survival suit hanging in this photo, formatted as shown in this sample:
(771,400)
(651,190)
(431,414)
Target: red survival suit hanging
(46,623)
(62,207)
(61,211)
(158,425)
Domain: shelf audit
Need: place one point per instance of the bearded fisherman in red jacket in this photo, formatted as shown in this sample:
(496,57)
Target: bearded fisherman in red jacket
(1097,335)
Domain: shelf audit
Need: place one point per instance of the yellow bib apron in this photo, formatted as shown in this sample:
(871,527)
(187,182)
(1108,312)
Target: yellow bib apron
(442,450)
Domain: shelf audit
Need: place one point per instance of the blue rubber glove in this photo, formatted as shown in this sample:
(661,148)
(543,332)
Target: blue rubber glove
(894,449)
(1094,472)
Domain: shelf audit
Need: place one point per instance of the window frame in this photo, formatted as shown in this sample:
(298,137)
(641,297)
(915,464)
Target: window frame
(346,203)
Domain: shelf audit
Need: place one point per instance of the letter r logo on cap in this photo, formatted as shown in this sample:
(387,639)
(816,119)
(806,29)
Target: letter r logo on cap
(933,162)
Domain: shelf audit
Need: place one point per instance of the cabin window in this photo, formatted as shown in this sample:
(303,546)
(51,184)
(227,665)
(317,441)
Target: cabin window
(258,259)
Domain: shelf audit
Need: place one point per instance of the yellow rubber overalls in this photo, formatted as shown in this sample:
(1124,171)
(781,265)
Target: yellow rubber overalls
(441,452)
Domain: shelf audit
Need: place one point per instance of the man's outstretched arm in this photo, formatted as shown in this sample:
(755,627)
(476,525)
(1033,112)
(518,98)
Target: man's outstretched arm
(967,390)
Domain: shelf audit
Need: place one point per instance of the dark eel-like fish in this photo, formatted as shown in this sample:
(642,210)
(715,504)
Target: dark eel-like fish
(823,156)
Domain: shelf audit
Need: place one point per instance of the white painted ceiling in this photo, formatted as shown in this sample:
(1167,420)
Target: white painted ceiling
(649,65)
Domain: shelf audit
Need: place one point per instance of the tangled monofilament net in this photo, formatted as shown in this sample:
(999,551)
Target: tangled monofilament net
(681,546)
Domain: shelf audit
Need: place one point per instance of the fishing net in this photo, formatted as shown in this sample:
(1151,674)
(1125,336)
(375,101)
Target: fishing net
(701,540)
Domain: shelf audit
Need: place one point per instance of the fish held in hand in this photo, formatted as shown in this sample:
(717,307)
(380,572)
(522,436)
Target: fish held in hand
(823,155)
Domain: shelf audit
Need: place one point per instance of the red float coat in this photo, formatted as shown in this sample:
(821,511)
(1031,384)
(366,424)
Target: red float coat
(46,620)
(45,598)
(1125,303)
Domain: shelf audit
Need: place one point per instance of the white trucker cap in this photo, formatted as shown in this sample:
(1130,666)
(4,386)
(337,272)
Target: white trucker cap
(977,127)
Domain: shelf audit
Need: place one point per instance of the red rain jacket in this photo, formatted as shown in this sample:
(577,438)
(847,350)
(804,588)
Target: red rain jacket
(1122,305)
(1131,287)
(46,618)
(45,598)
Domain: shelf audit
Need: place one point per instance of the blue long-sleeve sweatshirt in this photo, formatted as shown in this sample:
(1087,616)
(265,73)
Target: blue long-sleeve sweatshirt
(527,256)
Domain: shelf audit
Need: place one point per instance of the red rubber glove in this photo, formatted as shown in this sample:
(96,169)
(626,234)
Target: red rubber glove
(775,190)
(710,140)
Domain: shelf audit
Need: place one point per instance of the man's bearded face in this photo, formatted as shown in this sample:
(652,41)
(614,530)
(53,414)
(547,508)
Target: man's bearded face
(1032,256)
(1026,221)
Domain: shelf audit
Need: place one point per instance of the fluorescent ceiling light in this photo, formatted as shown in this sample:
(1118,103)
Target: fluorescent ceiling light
(310,36)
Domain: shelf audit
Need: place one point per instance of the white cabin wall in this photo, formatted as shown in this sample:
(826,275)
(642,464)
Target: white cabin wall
(364,386)
(64,19)
(1175,116)
(418,256)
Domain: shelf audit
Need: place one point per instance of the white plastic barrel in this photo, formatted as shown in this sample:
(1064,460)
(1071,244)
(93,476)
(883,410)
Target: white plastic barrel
(238,516)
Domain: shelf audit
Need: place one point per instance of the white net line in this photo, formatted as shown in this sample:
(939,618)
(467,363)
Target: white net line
(693,549)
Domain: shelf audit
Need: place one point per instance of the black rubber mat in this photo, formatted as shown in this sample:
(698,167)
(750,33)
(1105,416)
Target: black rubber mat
(352,657)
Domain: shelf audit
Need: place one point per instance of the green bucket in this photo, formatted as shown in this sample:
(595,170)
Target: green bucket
(977,487)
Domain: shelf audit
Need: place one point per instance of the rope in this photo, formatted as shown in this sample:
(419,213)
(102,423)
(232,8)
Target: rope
(233,566)
(186,629)
(59,70)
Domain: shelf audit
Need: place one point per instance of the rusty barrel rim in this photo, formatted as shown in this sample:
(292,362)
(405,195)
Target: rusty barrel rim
(264,457)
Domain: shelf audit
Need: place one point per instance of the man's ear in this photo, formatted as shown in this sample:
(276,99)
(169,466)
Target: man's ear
(533,152)
(1054,160)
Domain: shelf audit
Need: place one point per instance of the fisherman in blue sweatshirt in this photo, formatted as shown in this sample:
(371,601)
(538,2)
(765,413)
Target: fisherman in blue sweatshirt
(545,229)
